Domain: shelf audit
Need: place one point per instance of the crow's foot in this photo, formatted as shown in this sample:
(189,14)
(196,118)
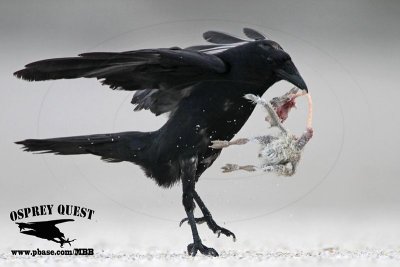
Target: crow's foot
(198,246)
(212,225)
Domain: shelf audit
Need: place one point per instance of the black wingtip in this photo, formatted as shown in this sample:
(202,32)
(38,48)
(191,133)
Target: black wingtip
(20,142)
(217,37)
(19,74)
(24,144)
(23,147)
(35,145)
(31,75)
(253,34)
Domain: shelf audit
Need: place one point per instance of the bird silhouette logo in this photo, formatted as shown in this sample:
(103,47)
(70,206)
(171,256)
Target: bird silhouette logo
(46,230)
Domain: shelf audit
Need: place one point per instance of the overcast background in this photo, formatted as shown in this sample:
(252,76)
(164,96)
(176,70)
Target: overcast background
(346,191)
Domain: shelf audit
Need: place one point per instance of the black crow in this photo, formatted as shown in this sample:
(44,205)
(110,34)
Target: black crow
(202,89)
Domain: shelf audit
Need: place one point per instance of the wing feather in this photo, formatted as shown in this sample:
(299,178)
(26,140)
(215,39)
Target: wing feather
(253,34)
(217,37)
(160,77)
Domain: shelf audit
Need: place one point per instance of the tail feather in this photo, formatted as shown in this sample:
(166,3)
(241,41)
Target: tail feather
(50,146)
(137,147)
(110,147)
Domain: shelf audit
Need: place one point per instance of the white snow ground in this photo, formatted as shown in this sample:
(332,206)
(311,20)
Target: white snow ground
(320,257)
(271,241)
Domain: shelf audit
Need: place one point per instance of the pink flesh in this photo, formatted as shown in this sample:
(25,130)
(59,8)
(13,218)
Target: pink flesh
(283,110)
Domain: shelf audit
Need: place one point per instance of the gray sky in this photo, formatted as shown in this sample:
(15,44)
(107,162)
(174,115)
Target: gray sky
(347,51)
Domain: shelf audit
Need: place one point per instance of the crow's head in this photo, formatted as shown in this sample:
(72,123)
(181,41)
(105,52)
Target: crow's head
(277,62)
(263,59)
(254,60)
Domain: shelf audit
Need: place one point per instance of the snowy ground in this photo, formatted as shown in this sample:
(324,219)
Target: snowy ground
(272,241)
(321,257)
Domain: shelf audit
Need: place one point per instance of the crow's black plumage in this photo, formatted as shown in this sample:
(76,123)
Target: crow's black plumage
(202,89)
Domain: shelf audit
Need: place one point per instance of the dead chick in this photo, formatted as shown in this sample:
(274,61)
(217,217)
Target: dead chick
(279,153)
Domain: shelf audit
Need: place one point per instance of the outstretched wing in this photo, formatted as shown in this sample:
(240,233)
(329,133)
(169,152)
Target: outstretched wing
(132,70)
(223,41)
(159,101)
(217,37)
(253,34)
(166,73)
(161,77)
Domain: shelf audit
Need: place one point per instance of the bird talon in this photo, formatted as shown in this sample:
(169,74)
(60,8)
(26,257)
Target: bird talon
(183,220)
(218,232)
(198,246)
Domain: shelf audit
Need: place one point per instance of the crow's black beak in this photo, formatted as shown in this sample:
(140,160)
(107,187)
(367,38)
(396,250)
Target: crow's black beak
(289,72)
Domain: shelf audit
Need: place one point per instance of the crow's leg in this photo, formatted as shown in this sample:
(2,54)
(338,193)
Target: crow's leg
(207,218)
(188,175)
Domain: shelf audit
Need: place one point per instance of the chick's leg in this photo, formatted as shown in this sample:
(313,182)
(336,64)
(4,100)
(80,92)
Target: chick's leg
(219,144)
